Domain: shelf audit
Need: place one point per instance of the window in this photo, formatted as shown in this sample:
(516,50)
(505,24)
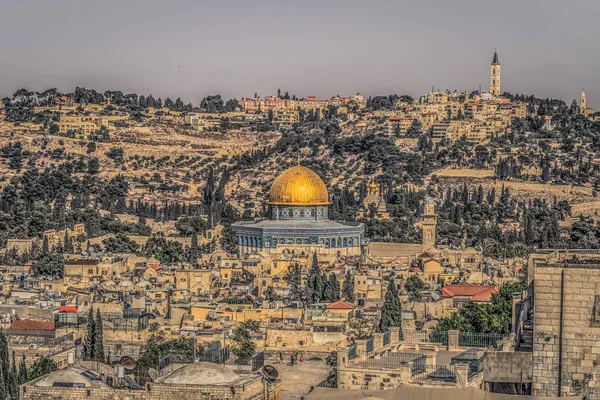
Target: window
(90,271)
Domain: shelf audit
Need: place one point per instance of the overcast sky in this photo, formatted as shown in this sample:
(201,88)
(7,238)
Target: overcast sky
(191,49)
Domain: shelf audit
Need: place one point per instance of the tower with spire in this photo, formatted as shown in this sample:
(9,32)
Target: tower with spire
(582,102)
(495,75)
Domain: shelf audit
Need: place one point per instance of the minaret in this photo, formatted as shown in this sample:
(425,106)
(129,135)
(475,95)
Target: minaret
(582,102)
(428,224)
(495,76)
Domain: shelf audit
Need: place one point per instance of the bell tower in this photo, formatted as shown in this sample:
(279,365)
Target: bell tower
(582,102)
(495,75)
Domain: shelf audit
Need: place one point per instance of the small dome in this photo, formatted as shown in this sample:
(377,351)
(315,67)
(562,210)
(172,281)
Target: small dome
(299,186)
(63,376)
(202,373)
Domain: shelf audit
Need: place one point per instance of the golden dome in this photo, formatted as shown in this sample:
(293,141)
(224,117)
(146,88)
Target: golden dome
(298,186)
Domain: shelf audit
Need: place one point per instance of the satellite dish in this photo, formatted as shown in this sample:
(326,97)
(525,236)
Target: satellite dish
(435,295)
(270,372)
(128,362)
(258,302)
(213,315)
(153,374)
(287,301)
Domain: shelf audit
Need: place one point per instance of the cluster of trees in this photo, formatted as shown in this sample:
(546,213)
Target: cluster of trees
(495,317)
(320,288)
(13,375)
(181,348)
(93,344)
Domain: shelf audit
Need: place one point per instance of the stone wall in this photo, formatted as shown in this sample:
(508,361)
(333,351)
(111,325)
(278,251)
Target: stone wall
(566,342)
(247,390)
(289,338)
(507,366)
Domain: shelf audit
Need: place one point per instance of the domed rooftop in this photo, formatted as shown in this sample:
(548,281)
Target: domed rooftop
(299,186)
(63,376)
(202,373)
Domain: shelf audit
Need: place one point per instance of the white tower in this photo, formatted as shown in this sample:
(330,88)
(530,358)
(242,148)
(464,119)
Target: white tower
(495,76)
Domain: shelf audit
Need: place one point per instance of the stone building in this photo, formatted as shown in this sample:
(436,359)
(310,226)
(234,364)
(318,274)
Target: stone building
(298,218)
(566,323)
(202,381)
(376,200)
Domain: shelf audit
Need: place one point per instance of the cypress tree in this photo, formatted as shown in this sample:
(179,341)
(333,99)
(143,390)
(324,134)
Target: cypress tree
(348,287)
(90,337)
(3,392)
(23,374)
(314,289)
(194,251)
(391,311)
(98,342)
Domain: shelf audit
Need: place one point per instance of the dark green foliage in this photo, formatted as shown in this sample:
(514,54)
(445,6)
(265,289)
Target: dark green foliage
(293,278)
(413,287)
(348,287)
(120,243)
(51,264)
(116,154)
(156,347)
(164,250)
(242,345)
(90,337)
(98,353)
(484,318)
(391,311)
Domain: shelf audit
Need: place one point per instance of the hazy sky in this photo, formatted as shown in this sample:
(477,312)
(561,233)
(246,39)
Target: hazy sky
(190,49)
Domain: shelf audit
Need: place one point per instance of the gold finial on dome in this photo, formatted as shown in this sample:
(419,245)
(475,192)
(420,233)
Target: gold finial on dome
(298,159)
(299,186)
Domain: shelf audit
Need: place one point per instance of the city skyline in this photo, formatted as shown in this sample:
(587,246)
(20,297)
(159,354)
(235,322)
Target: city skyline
(374,49)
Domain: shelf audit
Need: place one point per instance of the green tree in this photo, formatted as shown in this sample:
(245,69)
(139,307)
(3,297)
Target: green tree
(391,311)
(89,341)
(242,345)
(98,341)
(293,278)
(49,264)
(348,287)
(120,243)
(314,283)
(42,366)
(91,147)
(332,289)
(413,287)
(229,240)
(23,373)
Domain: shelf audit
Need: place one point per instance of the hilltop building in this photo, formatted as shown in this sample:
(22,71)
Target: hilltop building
(298,220)
(375,199)
(583,108)
(495,76)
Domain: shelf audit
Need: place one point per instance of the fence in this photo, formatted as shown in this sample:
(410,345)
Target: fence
(214,353)
(469,339)
(386,338)
(438,373)
(413,336)
(475,367)
(387,360)
(110,321)
(370,344)
(351,351)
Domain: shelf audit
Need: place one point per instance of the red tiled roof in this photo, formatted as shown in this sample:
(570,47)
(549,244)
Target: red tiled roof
(340,305)
(30,325)
(156,267)
(481,293)
(68,309)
